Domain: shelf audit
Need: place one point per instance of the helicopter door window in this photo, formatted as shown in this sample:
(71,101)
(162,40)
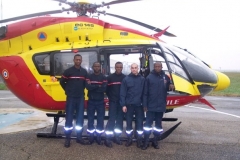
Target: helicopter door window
(64,60)
(42,62)
(173,62)
(172,59)
(178,70)
(126,59)
(158,58)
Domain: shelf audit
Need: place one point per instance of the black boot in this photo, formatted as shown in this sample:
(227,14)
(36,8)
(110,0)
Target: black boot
(155,142)
(108,142)
(129,140)
(117,140)
(146,140)
(91,138)
(67,138)
(79,138)
(99,139)
(139,141)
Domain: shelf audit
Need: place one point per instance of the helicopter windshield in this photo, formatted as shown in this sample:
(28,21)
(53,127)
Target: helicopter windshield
(196,68)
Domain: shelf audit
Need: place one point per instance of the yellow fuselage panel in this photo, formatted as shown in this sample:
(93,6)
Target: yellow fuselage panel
(4,47)
(81,32)
(184,85)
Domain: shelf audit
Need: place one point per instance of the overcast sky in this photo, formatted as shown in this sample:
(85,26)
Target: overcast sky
(208,28)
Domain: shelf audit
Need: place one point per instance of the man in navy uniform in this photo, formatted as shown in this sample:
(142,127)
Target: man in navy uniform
(115,121)
(73,83)
(96,85)
(131,102)
(156,86)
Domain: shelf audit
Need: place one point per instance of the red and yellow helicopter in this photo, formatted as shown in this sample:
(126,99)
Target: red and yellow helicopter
(35,52)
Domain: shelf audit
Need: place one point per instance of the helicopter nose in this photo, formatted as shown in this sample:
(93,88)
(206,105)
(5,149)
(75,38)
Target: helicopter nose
(223,81)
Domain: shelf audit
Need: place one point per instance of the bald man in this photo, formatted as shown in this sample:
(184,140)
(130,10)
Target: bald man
(131,101)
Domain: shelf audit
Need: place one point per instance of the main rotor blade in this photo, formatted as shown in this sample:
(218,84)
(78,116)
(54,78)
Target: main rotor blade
(62,1)
(141,24)
(30,15)
(119,1)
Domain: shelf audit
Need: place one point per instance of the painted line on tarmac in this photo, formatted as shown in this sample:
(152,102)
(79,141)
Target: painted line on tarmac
(216,111)
(9,98)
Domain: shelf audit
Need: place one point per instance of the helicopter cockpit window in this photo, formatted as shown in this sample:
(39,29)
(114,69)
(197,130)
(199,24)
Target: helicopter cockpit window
(64,60)
(195,67)
(42,62)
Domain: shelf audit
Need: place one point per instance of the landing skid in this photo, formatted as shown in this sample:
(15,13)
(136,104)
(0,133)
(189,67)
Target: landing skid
(53,133)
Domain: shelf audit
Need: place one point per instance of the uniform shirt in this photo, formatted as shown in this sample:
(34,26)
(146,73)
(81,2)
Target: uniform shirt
(155,91)
(113,87)
(97,87)
(73,81)
(131,90)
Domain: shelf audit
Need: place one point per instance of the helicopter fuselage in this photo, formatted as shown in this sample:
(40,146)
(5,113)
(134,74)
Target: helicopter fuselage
(35,52)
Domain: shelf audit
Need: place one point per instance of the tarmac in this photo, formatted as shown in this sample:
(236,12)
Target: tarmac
(203,134)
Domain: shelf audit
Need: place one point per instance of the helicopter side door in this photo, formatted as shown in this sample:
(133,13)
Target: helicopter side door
(54,63)
(180,77)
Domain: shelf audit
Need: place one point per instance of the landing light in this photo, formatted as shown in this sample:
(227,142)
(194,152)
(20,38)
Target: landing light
(75,50)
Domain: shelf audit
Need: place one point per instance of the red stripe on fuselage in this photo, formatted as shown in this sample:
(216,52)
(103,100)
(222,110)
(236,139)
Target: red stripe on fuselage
(23,27)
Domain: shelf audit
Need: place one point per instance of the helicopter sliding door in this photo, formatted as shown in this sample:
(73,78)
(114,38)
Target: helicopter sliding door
(64,60)
(173,69)
(55,63)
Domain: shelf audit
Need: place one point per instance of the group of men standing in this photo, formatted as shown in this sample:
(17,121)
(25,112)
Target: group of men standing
(130,95)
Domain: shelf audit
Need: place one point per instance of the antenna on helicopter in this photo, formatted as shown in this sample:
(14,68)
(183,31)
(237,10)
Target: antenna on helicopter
(1,11)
